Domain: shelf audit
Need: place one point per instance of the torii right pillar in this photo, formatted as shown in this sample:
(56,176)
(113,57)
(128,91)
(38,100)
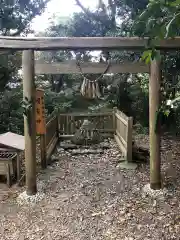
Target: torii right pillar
(154,105)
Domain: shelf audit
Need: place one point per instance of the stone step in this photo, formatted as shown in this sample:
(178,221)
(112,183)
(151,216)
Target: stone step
(86,151)
(67,146)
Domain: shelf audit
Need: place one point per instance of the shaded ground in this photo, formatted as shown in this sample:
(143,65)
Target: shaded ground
(88,197)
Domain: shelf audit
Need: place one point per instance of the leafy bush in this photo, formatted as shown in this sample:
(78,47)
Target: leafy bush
(11,117)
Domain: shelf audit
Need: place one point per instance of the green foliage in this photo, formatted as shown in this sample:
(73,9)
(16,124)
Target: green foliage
(160,19)
(11,117)
(12,109)
(140,129)
(102,107)
(15,18)
(56,101)
(16,15)
(150,54)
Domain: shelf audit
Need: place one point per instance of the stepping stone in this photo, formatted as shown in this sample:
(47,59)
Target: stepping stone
(86,151)
(127,165)
(67,146)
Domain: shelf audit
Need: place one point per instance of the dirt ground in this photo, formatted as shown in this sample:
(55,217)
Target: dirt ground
(89,197)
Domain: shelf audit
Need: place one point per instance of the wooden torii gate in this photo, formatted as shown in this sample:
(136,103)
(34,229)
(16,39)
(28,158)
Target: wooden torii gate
(29,45)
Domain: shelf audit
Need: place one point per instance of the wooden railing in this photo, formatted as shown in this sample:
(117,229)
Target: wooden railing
(112,123)
(123,133)
(51,136)
(70,122)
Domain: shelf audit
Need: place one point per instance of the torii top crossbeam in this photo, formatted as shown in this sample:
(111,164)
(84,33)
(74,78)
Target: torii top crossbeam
(91,43)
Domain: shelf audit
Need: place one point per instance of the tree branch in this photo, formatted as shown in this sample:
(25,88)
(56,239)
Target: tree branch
(111,22)
(87,12)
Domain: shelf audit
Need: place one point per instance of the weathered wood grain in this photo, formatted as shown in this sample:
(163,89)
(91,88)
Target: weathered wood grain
(154,134)
(73,43)
(29,92)
(90,67)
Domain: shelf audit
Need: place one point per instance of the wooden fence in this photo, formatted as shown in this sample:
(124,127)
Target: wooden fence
(70,122)
(112,123)
(123,133)
(49,140)
(51,135)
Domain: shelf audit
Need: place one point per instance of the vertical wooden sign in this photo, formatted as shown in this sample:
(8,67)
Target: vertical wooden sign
(41,124)
(40,113)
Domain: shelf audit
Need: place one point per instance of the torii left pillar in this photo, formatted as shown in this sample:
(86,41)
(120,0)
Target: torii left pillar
(154,105)
(29,94)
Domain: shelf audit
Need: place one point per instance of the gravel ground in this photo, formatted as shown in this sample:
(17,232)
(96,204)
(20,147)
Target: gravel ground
(88,197)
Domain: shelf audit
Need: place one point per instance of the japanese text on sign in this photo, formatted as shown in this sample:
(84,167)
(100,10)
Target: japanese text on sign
(40,112)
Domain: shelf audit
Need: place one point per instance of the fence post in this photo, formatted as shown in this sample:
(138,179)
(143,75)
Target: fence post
(43,151)
(114,119)
(129,139)
(57,127)
(128,162)
(58,122)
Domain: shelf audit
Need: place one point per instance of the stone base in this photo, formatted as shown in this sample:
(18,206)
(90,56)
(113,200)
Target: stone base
(24,199)
(147,191)
(127,165)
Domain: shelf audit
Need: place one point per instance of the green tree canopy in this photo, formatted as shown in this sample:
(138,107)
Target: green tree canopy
(15,19)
